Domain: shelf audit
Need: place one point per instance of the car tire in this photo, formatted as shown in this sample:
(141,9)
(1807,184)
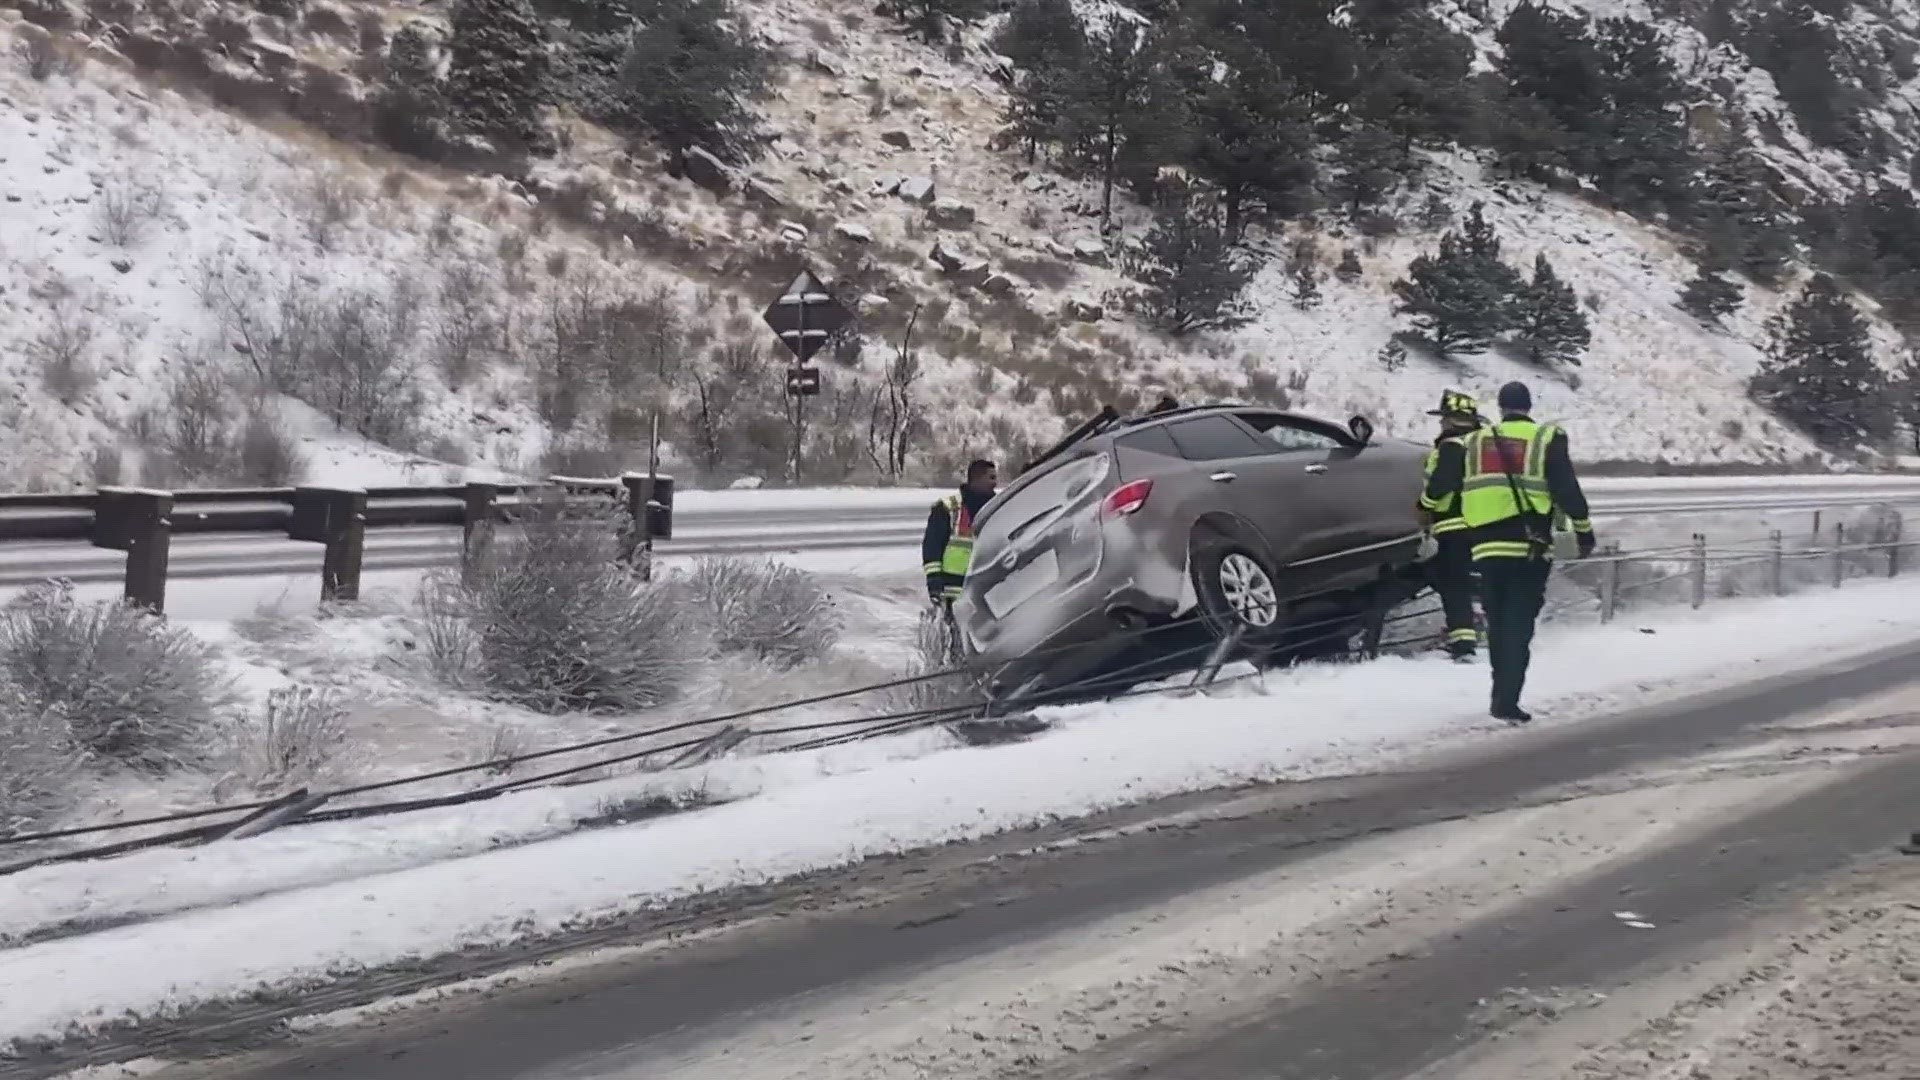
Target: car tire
(1236,588)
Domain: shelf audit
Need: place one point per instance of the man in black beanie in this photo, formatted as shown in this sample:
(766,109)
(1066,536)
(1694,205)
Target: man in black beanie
(1510,480)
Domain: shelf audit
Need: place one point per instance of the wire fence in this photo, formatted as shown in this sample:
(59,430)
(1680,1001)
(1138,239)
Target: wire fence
(1604,586)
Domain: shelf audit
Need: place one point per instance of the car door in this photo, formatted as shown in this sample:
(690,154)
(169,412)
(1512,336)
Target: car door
(1309,459)
(1369,492)
(1255,481)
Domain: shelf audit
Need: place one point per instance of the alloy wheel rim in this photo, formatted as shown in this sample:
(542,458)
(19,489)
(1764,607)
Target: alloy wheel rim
(1249,591)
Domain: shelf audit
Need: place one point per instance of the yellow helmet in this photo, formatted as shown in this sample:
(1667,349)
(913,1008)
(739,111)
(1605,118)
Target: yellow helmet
(1456,405)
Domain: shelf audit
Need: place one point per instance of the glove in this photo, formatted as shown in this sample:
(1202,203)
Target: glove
(1586,542)
(1429,547)
(934,588)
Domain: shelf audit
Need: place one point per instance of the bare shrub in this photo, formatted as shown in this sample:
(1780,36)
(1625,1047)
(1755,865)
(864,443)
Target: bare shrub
(265,453)
(737,418)
(328,205)
(441,630)
(356,365)
(125,208)
(197,416)
(466,329)
(132,688)
(107,466)
(38,766)
(65,351)
(765,609)
(939,683)
(292,740)
(560,625)
(504,743)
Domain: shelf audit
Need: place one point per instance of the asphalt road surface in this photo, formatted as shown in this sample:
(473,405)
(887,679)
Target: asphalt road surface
(1447,921)
(797,521)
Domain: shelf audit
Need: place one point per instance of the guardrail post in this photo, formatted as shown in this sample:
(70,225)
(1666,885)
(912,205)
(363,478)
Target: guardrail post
(476,526)
(1699,569)
(336,517)
(139,522)
(1839,552)
(1816,526)
(1610,582)
(650,511)
(1893,545)
(1776,567)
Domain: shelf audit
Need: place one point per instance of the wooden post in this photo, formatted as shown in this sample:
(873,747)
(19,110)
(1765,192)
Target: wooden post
(1816,526)
(1776,569)
(476,526)
(1839,552)
(1610,582)
(1893,545)
(650,514)
(336,517)
(139,522)
(1699,569)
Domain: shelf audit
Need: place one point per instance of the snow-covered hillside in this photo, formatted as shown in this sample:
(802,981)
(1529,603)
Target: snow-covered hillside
(146,232)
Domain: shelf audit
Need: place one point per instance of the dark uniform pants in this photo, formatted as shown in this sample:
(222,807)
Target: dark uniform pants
(1512,591)
(1450,571)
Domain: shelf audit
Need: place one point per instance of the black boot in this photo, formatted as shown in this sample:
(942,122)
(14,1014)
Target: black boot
(1512,713)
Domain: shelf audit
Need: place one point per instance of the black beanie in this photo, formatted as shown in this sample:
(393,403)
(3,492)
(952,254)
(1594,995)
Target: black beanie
(1516,398)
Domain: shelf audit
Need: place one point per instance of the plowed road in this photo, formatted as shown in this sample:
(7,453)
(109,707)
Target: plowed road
(1713,881)
(766,522)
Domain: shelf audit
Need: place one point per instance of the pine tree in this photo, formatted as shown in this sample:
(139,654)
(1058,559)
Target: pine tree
(1413,78)
(497,70)
(1642,157)
(1042,34)
(1820,374)
(1370,162)
(1451,300)
(688,77)
(1482,251)
(1549,323)
(1709,296)
(929,18)
(1251,139)
(1111,93)
(1907,397)
(410,104)
(1037,109)
(1194,277)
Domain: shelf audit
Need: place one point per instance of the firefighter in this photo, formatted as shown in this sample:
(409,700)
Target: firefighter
(947,546)
(1512,479)
(1450,570)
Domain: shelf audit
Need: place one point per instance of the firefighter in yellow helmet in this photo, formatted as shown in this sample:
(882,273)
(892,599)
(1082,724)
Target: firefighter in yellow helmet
(1450,570)
(1512,479)
(946,547)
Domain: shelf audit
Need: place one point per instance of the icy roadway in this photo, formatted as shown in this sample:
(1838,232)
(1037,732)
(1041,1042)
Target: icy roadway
(1708,889)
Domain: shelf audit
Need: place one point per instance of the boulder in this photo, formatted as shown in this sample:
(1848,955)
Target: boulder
(793,232)
(997,284)
(917,189)
(859,234)
(948,257)
(1083,311)
(950,214)
(122,265)
(825,65)
(707,170)
(762,193)
(1090,251)
(972,274)
(886,185)
(898,139)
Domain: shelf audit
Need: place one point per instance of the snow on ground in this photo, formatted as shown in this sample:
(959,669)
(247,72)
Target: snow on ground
(804,812)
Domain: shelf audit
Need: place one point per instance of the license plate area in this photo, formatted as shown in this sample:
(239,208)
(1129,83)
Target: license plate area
(1023,584)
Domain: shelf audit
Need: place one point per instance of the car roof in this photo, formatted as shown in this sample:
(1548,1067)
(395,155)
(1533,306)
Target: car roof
(1134,423)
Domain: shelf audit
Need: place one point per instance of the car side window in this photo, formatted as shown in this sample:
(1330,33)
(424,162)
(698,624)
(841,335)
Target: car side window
(1153,440)
(1212,438)
(1287,435)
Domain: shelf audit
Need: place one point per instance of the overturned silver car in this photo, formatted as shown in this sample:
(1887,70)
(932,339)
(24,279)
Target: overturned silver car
(1280,531)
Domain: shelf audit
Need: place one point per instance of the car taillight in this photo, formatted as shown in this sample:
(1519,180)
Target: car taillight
(1126,499)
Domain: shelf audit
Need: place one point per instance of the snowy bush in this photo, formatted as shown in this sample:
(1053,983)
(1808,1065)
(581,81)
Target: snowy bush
(298,734)
(444,636)
(559,624)
(131,688)
(764,608)
(934,652)
(38,765)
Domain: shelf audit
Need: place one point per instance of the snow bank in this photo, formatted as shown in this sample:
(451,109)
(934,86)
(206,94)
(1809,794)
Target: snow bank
(814,812)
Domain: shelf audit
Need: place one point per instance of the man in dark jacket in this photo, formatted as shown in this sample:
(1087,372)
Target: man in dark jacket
(946,548)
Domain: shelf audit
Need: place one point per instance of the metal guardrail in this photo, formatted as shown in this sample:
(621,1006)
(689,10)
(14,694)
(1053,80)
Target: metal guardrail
(143,521)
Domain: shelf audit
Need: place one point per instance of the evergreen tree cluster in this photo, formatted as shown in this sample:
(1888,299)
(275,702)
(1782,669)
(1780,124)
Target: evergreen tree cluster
(679,72)
(1464,297)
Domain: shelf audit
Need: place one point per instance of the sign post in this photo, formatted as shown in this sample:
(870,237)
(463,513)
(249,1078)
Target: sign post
(804,317)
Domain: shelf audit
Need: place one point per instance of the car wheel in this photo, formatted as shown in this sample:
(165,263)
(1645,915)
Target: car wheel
(1236,589)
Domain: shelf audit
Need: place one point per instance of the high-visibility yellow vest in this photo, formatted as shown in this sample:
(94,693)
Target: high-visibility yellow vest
(1446,510)
(1509,456)
(959,551)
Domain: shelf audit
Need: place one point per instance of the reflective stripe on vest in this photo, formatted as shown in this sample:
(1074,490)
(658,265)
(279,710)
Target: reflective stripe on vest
(959,552)
(1518,447)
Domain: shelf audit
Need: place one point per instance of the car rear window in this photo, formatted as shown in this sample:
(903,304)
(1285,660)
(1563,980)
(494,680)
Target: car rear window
(1211,438)
(1053,492)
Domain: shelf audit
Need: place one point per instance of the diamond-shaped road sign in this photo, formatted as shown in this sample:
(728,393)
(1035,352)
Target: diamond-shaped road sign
(806,315)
